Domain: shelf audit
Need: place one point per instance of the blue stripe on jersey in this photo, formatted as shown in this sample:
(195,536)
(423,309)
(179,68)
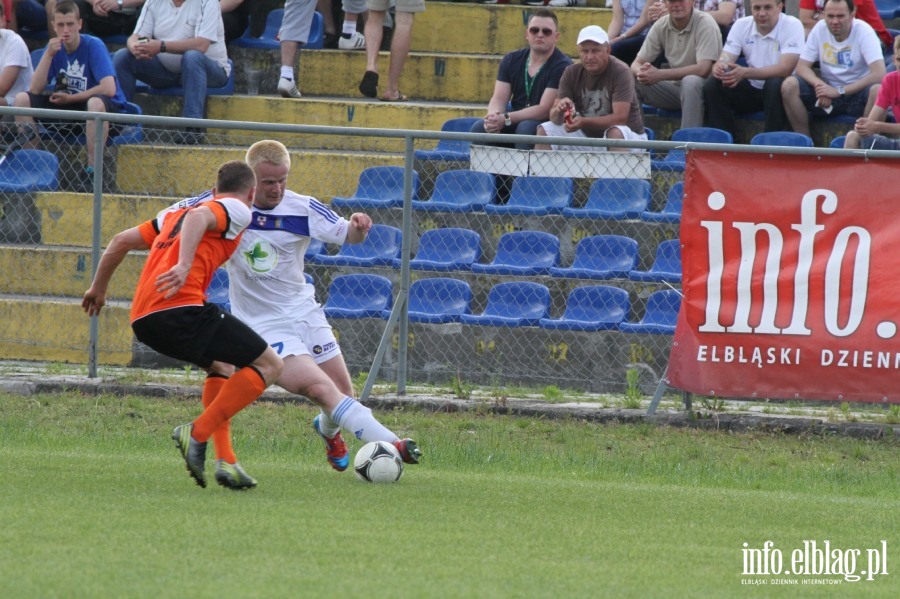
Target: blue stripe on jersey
(206,195)
(324,210)
(299,225)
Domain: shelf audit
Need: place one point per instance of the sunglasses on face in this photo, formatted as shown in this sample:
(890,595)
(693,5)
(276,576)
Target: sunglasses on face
(536,30)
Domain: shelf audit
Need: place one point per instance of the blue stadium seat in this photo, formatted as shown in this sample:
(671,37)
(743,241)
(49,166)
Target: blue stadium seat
(667,266)
(308,278)
(451,149)
(437,301)
(217,292)
(25,171)
(269,38)
(601,257)
(592,308)
(358,296)
(121,135)
(378,187)
(513,304)
(838,142)
(888,9)
(459,191)
(661,314)
(782,138)
(671,212)
(536,196)
(446,249)
(523,253)
(651,134)
(177,90)
(674,159)
(617,199)
(380,248)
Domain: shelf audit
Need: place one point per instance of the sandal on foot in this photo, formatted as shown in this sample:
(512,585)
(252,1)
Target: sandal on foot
(398,98)
(369,84)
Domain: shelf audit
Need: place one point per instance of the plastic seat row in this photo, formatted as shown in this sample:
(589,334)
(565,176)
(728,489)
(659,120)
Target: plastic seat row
(470,191)
(510,304)
(518,253)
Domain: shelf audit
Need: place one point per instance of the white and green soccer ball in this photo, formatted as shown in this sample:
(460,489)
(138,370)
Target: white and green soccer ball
(378,462)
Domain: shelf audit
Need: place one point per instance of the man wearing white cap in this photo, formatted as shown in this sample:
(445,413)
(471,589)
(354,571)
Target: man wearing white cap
(691,42)
(596,97)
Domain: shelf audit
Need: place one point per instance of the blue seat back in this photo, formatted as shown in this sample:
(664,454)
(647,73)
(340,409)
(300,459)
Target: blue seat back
(606,252)
(668,256)
(269,37)
(457,125)
(384,183)
(314,249)
(217,292)
(697,135)
(541,192)
(782,138)
(518,299)
(597,303)
(528,248)
(628,197)
(662,308)
(674,198)
(838,142)
(450,245)
(463,186)
(25,171)
(382,243)
(360,292)
(440,296)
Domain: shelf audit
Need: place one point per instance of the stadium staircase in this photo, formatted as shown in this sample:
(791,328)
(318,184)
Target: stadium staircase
(456,49)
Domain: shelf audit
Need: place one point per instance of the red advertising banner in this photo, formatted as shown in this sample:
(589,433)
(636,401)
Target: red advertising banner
(791,278)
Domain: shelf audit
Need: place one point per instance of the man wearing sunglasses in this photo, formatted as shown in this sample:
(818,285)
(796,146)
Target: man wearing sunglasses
(691,42)
(527,82)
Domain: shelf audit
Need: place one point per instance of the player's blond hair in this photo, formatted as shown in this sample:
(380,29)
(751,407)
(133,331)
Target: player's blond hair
(270,151)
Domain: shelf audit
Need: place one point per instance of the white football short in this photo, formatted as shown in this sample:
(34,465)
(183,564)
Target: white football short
(307,334)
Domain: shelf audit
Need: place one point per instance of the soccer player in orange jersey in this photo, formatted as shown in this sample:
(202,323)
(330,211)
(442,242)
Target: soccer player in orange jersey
(169,313)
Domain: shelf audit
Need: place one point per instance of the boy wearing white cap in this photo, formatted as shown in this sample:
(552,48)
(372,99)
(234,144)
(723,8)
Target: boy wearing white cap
(596,97)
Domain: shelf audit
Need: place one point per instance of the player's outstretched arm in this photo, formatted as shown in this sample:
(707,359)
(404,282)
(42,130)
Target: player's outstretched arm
(95,298)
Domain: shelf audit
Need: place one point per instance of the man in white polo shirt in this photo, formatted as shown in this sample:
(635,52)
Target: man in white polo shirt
(850,63)
(770,43)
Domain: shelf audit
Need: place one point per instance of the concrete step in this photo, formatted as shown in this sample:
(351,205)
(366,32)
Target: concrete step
(66,218)
(57,330)
(335,112)
(179,172)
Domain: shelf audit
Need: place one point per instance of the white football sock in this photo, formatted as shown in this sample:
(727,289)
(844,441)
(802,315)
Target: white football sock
(357,419)
(327,426)
(349,28)
(287,73)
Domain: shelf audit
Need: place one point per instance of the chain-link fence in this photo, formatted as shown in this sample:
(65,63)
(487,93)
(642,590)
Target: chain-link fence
(521,267)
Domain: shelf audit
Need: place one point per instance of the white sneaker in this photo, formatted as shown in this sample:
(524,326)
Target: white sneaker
(563,3)
(288,89)
(357,41)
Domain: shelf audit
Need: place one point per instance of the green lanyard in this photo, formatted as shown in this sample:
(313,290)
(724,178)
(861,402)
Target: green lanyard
(529,81)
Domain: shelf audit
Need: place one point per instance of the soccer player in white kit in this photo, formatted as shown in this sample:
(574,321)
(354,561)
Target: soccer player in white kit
(268,291)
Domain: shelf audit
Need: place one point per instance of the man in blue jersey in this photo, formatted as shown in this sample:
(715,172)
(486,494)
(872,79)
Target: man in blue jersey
(85,81)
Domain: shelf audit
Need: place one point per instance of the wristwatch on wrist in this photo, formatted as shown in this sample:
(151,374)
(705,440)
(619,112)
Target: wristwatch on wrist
(840,89)
(162,46)
(507,121)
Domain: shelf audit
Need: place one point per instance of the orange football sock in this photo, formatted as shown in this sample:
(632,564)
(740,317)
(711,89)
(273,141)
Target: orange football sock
(238,392)
(221,437)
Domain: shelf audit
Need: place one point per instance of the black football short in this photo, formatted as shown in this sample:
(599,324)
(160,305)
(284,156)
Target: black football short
(200,335)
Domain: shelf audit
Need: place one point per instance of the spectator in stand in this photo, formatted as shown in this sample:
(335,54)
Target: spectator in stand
(295,27)
(811,13)
(725,12)
(850,62)
(374,31)
(177,42)
(32,15)
(85,81)
(874,132)
(350,38)
(104,18)
(527,82)
(235,18)
(596,97)
(15,64)
(628,28)
(771,43)
(691,42)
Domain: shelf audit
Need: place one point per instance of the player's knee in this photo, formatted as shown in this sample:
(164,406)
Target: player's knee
(270,365)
